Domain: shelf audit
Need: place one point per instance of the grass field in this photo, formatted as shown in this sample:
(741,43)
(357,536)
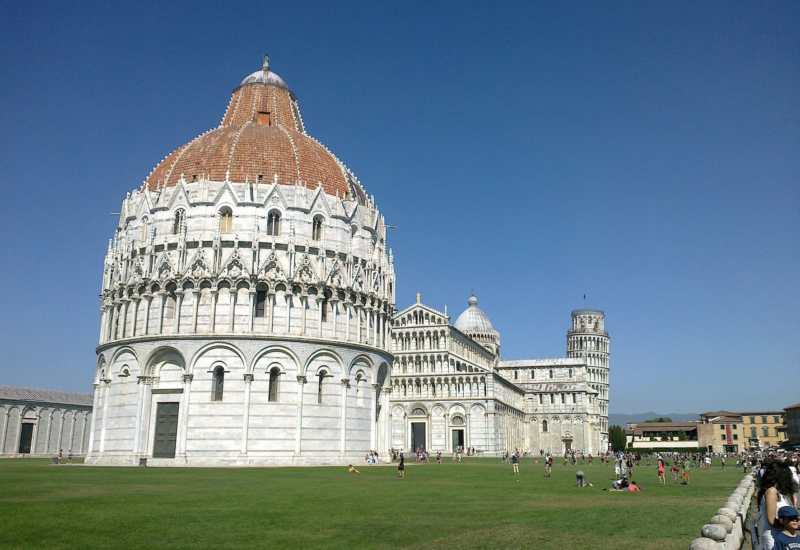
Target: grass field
(475,504)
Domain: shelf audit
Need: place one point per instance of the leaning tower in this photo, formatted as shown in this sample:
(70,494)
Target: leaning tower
(588,339)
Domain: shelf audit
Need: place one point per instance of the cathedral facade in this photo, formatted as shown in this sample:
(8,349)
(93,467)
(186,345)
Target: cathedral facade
(246,302)
(451,390)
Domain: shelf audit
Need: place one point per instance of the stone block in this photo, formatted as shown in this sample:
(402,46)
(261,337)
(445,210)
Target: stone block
(714,532)
(724,521)
(703,544)
(728,513)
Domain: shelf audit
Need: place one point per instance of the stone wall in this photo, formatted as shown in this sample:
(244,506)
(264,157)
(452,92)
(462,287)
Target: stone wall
(725,531)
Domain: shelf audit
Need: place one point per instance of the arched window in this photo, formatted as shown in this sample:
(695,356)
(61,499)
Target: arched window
(274,223)
(169,304)
(274,375)
(570,373)
(180,216)
(316,229)
(322,375)
(218,381)
(226,221)
(144,229)
(544,425)
(516,375)
(551,373)
(261,301)
(533,374)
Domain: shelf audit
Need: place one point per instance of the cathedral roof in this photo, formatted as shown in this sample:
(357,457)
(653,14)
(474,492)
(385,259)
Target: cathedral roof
(261,136)
(18,393)
(473,319)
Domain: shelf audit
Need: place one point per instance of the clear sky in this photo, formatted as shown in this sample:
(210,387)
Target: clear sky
(646,154)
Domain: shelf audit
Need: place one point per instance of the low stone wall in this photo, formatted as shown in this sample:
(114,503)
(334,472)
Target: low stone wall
(725,531)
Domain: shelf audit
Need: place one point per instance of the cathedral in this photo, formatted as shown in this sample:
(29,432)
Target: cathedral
(450,389)
(248,318)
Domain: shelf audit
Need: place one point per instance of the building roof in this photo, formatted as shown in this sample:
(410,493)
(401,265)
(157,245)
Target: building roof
(17,393)
(720,413)
(643,427)
(261,137)
(473,319)
(556,362)
(756,413)
(792,407)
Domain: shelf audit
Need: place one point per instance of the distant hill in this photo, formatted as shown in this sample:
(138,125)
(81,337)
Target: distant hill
(623,419)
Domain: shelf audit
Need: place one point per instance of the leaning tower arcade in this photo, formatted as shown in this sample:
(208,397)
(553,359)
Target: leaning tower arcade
(588,339)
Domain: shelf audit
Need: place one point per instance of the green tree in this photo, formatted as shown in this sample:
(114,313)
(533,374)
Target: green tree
(664,436)
(616,436)
(682,436)
(659,419)
(652,436)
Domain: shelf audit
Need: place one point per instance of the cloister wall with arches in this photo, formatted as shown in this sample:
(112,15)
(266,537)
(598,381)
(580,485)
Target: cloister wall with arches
(40,423)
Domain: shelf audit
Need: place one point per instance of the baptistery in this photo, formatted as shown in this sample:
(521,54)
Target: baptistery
(246,303)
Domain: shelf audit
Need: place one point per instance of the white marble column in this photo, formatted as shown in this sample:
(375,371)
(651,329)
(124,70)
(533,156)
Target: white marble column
(176,328)
(387,419)
(468,439)
(83,433)
(124,307)
(71,432)
(3,433)
(335,311)
(35,433)
(271,313)
(448,437)
(213,311)
(105,388)
(373,421)
(232,315)
(163,300)
(183,415)
(250,315)
(144,426)
(343,436)
(248,382)
(347,325)
(320,303)
(103,325)
(303,316)
(196,292)
(114,321)
(50,425)
(289,301)
(301,380)
(137,420)
(359,338)
(136,302)
(146,323)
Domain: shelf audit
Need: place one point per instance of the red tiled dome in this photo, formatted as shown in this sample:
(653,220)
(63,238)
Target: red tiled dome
(261,134)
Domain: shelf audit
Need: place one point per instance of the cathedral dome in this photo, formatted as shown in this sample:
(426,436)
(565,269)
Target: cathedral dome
(261,137)
(473,319)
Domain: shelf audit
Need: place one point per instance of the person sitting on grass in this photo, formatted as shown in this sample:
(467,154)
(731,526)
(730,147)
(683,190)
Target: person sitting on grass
(790,520)
(633,487)
(352,469)
(619,485)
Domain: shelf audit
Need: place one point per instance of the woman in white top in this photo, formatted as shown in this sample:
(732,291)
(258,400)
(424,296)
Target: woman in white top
(777,489)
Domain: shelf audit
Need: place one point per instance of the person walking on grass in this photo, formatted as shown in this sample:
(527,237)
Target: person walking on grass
(662,478)
(401,467)
(548,465)
(686,471)
(515,463)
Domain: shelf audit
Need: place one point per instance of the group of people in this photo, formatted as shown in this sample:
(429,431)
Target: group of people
(777,519)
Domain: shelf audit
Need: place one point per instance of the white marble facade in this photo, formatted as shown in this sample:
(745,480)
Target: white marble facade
(40,423)
(449,387)
(246,319)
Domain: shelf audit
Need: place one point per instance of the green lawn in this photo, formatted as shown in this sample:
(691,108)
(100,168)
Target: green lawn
(475,504)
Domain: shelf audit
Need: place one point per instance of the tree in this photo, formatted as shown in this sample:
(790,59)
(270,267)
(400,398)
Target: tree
(682,436)
(652,436)
(665,436)
(616,436)
(659,419)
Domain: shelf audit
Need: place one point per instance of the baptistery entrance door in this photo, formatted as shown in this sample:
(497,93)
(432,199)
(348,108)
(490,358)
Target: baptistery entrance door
(25,439)
(166,430)
(418,436)
(458,439)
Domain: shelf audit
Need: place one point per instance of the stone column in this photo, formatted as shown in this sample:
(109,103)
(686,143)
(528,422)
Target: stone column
(137,420)
(144,430)
(196,292)
(72,431)
(50,426)
(213,311)
(373,421)
(301,380)
(35,430)
(176,327)
(448,437)
(124,307)
(319,316)
(304,307)
(183,415)
(114,321)
(146,324)
(83,433)
(252,294)
(5,430)
(232,316)
(248,382)
(387,440)
(103,325)
(271,306)
(136,302)
(104,387)
(95,402)
(343,438)
(335,310)
(347,326)
(289,301)
(163,295)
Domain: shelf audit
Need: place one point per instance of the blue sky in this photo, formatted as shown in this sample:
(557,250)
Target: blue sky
(646,154)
